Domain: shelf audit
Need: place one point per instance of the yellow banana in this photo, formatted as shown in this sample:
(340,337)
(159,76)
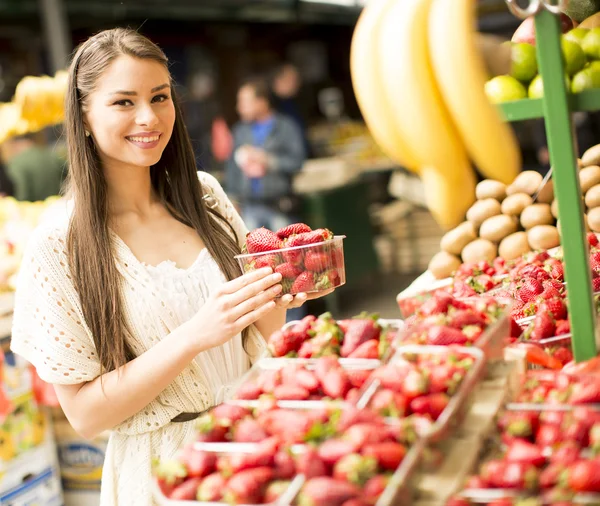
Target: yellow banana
(366,80)
(461,76)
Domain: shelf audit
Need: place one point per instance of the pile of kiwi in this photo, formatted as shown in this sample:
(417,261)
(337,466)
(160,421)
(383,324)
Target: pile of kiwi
(505,221)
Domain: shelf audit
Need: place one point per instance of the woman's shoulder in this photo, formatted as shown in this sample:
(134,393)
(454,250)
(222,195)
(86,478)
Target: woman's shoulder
(51,232)
(207,179)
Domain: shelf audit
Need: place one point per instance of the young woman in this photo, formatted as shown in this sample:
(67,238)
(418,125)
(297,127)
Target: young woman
(133,307)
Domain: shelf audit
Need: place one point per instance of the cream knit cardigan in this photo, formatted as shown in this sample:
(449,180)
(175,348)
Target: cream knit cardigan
(49,331)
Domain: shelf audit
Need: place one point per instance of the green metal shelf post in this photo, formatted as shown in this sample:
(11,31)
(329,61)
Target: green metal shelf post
(556,109)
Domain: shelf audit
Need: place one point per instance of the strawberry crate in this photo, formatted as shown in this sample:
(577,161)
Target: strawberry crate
(304,380)
(449,396)
(309,268)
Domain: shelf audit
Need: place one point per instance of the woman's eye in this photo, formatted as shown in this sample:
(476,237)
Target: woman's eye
(160,98)
(124,102)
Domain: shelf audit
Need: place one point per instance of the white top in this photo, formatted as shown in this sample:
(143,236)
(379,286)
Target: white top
(49,331)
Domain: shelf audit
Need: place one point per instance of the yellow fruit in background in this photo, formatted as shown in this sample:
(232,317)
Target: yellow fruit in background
(504,89)
(7,446)
(591,44)
(536,88)
(573,55)
(39,428)
(577,34)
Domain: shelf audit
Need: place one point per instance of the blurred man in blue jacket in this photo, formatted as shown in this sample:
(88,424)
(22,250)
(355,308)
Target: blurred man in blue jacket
(268,151)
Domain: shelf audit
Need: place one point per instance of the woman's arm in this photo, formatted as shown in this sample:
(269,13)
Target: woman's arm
(112,398)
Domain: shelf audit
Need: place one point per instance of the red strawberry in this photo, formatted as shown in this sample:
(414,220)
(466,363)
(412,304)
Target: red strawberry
(264,456)
(314,237)
(269,380)
(335,384)
(210,429)
(325,491)
(248,486)
(361,434)
(305,282)
(306,350)
(556,307)
(388,454)
(596,285)
(266,260)
(353,395)
(211,488)
(169,474)
(386,402)
(283,342)
(548,435)
(551,475)
(186,491)
(595,261)
(329,279)
(511,475)
(562,353)
(414,385)
(529,289)
(526,452)
(584,476)
(300,377)
(358,332)
(288,270)
(294,229)
(198,463)
(316,261)
(275,490)
(248,430)
(458,501)
(368,349)
(290,425)
(358,377)
(324,365)
(355,502)
(432,405)
(291,393)
(229,414)
(392,376)
(355,468)
(543,327)
(310,464)
(465,317)
(285,467)
(586,391)
(567,453)
(592,239)
(375,487)
(248,391)
(262,240)
(332,450)
(444,336)
(563,327)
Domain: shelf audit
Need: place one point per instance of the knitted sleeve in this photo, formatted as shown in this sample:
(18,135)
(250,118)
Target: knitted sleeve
(48,324)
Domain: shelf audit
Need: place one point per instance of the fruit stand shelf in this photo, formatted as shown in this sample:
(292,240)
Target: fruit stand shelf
(531,108)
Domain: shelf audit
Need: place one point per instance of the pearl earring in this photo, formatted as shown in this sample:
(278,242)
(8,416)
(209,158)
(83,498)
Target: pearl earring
(87,133)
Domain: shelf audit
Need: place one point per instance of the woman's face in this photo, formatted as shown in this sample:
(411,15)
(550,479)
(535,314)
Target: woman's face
(130,113)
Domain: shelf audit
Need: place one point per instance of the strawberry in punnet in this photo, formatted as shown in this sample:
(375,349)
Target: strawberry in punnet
(415,384)
(530,288)
(521,450)
(248,430)
(283,342)
(375,487)
(270,260)
(310,464)
(369,349)
(584,476)
(262,240)
(298,375)
(544,327)
(198,463)
(355,468)
(306,350)
(210,429)
(285,467)
(305,282)
(294,229)
(248,486)
(438,304)
(169,474)
(358,377)
(388,454)
(289,425)
(333,450)
(186,491)
(458,501)
(327,280)
(596,285)
(567,453)
(325,491)
(552,475)
(229,414)
(386,402)
(324,365)
(432,405)
(358,332)
(314,237)
(562,353)
(248,391)
(563,327)
(269,380)
(316,261)
(211,488)
(555,268)
(361,434)
(275,490)
(288,270)
(595,261)
(592,239)
(548,436)
(586,391)
(510,475)
(289,392)
(335,383)
(556,307)
(465,317)
(444,336)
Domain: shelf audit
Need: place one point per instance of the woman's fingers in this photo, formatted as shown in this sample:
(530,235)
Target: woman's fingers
(235,285)
(256,314)
(256,301)
(249,291)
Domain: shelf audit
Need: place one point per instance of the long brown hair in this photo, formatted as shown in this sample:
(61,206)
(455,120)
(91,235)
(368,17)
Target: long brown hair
(174,178)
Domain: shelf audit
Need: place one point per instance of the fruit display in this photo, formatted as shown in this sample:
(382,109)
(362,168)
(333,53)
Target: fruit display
(414,43)
(38,103)
(308,260)
(312,337)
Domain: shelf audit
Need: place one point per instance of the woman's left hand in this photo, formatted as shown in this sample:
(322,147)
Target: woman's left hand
(291,301)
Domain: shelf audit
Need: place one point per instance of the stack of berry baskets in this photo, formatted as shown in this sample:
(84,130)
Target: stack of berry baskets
(309,262)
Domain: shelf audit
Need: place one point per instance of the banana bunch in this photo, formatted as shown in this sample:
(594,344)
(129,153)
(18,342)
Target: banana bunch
(419,81)
(37,104)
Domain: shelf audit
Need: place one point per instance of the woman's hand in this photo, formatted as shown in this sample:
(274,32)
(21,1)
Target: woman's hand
(236,305)
(291,301)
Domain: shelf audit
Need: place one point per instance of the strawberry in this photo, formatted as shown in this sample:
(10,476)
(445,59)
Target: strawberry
(211,488)
(300,376)
(551,475)
(262,240)
(415,384)
(444,336)
(285,467)
(358,377)
(458,501)
(563,327)
(303,327)
(324,365)
(325,491)
(375,487)
(306,350)
(444,378)
(269,380)
(316,261)
(329,279)
(562,353)
(288,270)
(228,414)
(361,434)
(350,416)
(290,425)
(248,430)
(210,429)
(555,307)
(353,395)
(465,317)
(355,468)
(432,405)
(266,260)
(248,391)
(305,282)
(294,229)
(510,475)
(392,376)
(388,454)
(313,237)
(186,491)
(595,261)
(592,239)
(529,289)
(368,349)
(596,285)
(198,463)
(264,456)
(548,435)
(275,490)
(283,342)
(336,384)
(526,452)
(358,332)
(310,464)
(332,450)
(543,327)
(586,391)
(386,402)
(169,474)
(355,502)
(567,453)
(248,486)
(291,393)
(584,476)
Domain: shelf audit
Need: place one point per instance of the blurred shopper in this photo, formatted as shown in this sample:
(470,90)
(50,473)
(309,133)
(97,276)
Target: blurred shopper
(268,151)
(134,306)
(6,186)
(36,172)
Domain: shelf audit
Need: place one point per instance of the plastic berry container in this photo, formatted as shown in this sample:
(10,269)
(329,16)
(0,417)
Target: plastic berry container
(310,268)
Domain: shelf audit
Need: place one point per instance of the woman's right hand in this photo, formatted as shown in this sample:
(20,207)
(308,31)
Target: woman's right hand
(234,306)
